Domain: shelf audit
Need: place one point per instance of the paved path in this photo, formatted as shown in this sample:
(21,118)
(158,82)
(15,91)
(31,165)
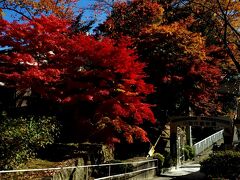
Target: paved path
(189,172)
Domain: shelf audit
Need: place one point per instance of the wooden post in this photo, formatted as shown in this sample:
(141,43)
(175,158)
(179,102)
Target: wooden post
(173,142)
(228,137)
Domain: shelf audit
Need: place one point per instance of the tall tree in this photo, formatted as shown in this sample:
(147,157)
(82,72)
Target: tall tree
(44,56)
(177,57)
(218,20)
(181,67)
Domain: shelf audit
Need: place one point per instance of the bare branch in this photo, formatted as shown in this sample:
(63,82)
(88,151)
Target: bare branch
(16,11)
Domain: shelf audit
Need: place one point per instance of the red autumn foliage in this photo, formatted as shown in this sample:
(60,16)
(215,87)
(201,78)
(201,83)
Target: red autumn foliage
(185,72)
(181,67)
(45,56)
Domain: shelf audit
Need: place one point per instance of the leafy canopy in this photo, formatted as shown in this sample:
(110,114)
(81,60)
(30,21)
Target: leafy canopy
(183,68)
(45,56)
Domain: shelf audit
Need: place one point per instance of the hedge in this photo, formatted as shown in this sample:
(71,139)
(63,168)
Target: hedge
(224,164)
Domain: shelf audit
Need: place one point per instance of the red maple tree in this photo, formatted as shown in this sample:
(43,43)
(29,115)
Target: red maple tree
(45,56)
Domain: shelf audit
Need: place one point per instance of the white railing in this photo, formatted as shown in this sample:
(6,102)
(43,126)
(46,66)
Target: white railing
(148,165)
(207,142)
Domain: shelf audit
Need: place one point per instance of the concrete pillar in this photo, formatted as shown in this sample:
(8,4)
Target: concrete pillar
(178,150)
(189,135)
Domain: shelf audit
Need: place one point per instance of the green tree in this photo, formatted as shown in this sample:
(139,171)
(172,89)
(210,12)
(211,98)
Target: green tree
(22,137)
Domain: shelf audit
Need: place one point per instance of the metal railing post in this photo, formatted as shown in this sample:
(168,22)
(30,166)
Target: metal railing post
(109,170)
(125,172)
(87,174)
(148,171)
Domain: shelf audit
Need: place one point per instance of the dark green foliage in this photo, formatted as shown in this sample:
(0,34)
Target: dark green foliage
(189,152)
(186,153)
(22,137)
(222,164)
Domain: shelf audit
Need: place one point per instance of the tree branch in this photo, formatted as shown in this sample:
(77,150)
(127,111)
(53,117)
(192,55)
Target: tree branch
(16,11)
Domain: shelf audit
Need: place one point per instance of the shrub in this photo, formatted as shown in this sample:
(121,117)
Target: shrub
(186,153)
(222,164)
(22,137)
(189,152)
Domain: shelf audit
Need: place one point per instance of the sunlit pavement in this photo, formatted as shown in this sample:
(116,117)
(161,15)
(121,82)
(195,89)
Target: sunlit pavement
(189,171)
(183,170)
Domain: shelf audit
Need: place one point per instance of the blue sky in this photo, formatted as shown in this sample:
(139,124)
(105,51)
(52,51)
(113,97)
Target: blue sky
(8,15)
